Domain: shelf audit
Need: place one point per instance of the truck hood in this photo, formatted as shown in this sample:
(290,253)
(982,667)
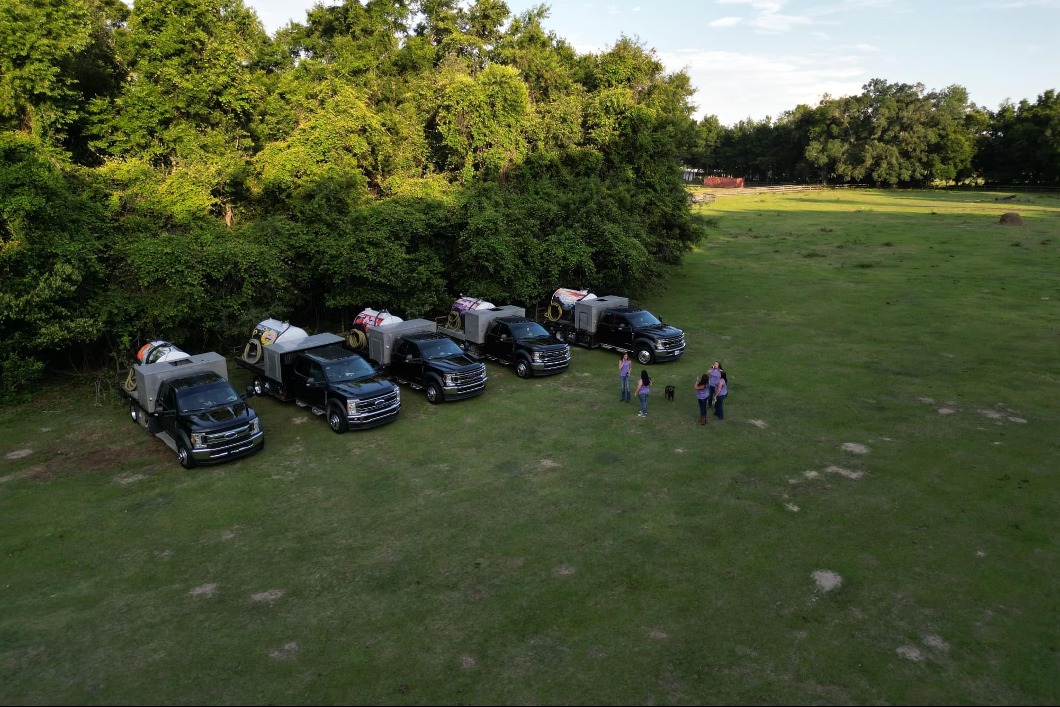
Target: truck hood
(454,364)
(221,416)
(661,331)
(364,388)
(545,343)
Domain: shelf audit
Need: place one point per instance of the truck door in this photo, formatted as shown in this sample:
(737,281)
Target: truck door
(616,330)
(167,409)
(499,341)
(407,363)
(309,383)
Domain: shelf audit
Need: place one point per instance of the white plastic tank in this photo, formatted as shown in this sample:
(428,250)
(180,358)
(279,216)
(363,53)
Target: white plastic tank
(371,317)
(272,330)
(563,301)
(462,305)
(465,304)
(158,352)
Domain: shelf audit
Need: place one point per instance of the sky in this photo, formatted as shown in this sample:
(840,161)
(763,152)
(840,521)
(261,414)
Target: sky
(753,59)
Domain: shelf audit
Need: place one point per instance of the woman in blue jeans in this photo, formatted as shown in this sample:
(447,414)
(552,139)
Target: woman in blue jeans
(719,396)
(642,392)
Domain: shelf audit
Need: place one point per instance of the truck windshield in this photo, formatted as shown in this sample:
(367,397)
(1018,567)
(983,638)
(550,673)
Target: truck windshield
(528,330)
(206,397)
(643,320)
(439,348)
(349,369)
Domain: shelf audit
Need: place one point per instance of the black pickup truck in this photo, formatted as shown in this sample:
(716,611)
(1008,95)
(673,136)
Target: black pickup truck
(320,373)
(189,404)
(414,353)
(610,323)
(507,336)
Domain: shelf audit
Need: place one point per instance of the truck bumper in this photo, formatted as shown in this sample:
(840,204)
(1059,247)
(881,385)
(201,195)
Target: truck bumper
(373,418)
(460,392)
(669,354)
(234,450)
(550,368)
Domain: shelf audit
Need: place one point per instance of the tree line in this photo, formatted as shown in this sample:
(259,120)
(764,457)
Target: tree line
(170,170)
(891,135)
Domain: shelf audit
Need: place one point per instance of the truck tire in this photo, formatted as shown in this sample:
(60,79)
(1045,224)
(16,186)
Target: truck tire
(134,413)
(337,420)
(644,355)
(434,393)
(184,456)
(522,368)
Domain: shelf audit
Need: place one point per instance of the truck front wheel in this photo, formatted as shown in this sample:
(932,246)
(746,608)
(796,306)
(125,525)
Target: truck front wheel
(184,456)
(134,413)
(337,421)
(522,368)
(644,355)
(434,393)
(259,387)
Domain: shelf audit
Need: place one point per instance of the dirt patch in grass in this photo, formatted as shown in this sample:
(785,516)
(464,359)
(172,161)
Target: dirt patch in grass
(760,424)
(846,473)
(204,590)
(792,507)
(855,448)
(19,453)
(468,662)
(827,580)
(946,411)
(565,571)
(548,464)
(910,653)
(299,420)
(933,641)
(126,479)
(288,651)
(657,634)
(268,597)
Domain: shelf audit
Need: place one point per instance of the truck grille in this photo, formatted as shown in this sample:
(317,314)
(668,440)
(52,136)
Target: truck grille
(379,402)
(672,343)
(557,356)
(222,437)
(475,375)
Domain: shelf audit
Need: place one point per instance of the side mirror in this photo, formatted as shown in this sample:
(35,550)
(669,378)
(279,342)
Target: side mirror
(314,383)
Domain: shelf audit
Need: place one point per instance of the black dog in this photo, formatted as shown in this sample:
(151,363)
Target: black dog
(670,393)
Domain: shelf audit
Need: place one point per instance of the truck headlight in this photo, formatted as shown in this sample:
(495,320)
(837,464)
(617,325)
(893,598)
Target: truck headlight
(351,407)
(255,426)
(448,380)
(198,439)
(537,357)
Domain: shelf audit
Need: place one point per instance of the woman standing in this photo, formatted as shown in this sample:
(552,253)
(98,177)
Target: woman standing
(623,373)
(643,391)
(702,392)
(712,382)
(719,396)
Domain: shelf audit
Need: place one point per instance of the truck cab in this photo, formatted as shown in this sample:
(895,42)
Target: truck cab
(435,363)
(415,353)
(188,403)
(345,386)
(525,345)
(321,373)
(641,332)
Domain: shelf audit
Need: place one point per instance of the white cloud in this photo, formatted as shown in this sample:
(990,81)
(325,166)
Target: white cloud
(866,47)
(775,24)
(735,86)
(725,22)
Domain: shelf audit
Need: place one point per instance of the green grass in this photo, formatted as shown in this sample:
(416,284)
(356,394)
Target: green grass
(541,544)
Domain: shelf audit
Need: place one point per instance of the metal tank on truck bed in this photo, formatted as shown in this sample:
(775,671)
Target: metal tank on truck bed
(580,317)
(321,373)
(415,353)
(507,336)
(187,402)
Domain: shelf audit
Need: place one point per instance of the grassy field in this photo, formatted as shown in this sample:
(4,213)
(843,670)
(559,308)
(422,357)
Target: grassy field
(875,522)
